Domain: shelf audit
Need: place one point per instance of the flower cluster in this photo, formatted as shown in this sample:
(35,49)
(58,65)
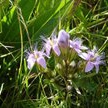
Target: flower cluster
(56,44)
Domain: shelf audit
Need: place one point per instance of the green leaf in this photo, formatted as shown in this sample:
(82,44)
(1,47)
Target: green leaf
(27,7)
(11,27)
(45,23)
(4,4)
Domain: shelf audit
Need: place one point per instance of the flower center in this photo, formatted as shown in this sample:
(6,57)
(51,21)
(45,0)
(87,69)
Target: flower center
(36,55)
(92,59)
(51,42)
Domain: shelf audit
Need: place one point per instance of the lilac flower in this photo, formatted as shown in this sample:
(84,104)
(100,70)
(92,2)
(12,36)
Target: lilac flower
(76,44)
(93,60)
(63,38)
(36,57)
(51,44)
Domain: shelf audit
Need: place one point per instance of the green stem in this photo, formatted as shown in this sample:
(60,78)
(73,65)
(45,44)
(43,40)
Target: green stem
(0,22)
(103,46)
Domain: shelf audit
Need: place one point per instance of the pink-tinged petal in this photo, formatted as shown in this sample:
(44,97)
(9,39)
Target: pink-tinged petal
(77,50)
(45,55)
(84,56)
(97,68)
(100,57)
(56,49)
(30,64)
(53,37)
(91,54)
(89,67)
(48,49)
(41,61)
(84,48)
(31,61)
(76,45)
(96,62)
(77,41)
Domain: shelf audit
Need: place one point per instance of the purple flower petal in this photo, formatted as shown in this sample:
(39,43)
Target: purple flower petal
(31,61)
(78,41)
(50,44)
(77,50)
(84,56)
(99,57)
(48,49)
(63,38)
(93,59)
(84,48)
(30,64)
(76,44)
(41,61)
(89,67)
(56,49)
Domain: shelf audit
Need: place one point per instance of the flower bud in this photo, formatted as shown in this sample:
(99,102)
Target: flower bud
(63,39)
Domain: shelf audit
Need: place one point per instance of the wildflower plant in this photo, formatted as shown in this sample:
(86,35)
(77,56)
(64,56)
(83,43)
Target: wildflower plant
(63,62)
(68,69)
(67,55)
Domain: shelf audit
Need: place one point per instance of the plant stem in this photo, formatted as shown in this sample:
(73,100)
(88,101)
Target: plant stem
(0,22)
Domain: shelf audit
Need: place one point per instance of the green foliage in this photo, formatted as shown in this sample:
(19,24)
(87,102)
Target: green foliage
(22,22)
(3,5)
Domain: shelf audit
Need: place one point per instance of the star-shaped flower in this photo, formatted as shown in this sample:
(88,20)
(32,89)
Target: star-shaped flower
(36,57)
(93,59)
(76,44)
(51,43)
